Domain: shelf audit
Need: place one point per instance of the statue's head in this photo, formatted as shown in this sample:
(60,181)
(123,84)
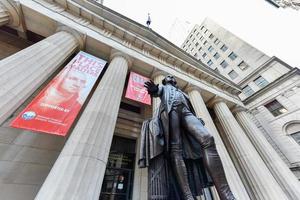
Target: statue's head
(169,79)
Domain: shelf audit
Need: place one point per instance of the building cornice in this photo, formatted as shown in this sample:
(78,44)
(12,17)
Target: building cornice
(261,68)
(272,85)
(97,22)
(167,52)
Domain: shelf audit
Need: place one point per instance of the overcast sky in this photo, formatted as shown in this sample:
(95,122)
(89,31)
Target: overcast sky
(271,30)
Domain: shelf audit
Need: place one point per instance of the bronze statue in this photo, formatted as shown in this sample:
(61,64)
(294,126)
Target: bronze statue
(176,134)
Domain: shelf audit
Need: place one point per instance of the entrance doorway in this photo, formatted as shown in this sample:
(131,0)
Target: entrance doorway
(118,178)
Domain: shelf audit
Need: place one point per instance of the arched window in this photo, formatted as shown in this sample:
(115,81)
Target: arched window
(293,129)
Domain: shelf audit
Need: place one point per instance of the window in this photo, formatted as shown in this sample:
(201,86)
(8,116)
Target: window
(224,48)
(211,36)
(204,55)
(205,42)
(197,43)
(232,56)
(296,137)
(205,31)
(194,31)
(224,64)
(293,130)
(217,41)
(243,65)
(216,70)
(216,56)
(248,91)
(183,46)
(201,38)
(200,49)
(261,82)
(197,34)
(233,74)
(191,35)
(195,55)
(275,108)
(202,27)
(210,48)
(210,63)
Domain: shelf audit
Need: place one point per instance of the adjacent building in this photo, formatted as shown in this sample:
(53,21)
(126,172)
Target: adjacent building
(295,4)
(98,157)
(269,85)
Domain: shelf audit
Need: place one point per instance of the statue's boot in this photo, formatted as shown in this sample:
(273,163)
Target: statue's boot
(214,166)
(180,172)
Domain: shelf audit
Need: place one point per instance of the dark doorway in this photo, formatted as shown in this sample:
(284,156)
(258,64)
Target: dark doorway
(118,178)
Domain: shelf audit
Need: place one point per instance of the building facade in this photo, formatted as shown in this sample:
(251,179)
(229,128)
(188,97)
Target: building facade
(98,158)
(260,77)
(295,4)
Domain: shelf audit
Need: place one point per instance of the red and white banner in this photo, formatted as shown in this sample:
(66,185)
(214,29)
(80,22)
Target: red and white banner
(55,108)
(136,90)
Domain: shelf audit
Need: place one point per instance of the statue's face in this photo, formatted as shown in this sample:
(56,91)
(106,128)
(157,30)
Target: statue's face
(170,79)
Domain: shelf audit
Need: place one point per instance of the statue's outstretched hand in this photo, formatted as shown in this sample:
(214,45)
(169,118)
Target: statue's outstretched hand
(151,87)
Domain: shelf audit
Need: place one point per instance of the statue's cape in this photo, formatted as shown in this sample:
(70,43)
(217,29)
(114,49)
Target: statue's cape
(154,151)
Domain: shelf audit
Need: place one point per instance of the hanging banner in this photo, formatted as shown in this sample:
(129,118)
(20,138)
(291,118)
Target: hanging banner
(136,90)
(55,108)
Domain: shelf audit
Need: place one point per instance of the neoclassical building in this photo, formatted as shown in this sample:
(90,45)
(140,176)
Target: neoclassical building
(98,158)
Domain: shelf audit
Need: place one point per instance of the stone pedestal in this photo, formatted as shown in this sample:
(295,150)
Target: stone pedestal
(278,168)
(232,175)
(260,181)
(22,73)
(79,170)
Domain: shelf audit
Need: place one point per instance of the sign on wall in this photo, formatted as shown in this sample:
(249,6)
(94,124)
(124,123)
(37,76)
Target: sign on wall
(55,108)
(136,90)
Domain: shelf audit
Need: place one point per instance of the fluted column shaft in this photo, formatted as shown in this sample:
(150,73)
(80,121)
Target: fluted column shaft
(260,180)
(79,170)
(278,168)
(232,175)
(157,78)
(23,72)
(4,15)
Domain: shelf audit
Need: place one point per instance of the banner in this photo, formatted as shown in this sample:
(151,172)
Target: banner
(136,90)
(55,108)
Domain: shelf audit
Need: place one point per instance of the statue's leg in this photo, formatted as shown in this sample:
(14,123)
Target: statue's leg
(211,157)
(177,162)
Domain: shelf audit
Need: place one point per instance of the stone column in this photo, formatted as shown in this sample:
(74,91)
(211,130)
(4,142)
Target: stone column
(260,181)
(23,72)
(4,15)
(278,168)
(10,13)
(79,170)
(232,175)
(157,77)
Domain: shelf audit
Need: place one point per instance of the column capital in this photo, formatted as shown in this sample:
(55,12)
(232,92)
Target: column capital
(115,53)
(189,87)
(237,109)
(216,99)
(157,72)
(13,8)
(80,37)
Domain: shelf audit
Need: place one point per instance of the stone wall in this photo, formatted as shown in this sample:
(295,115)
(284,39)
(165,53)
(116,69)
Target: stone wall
(287,94)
